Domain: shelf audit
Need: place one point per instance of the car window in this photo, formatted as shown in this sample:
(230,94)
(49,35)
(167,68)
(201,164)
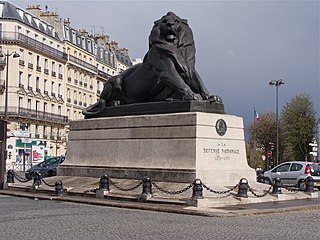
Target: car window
(282,168)
(295,167)
(314,169)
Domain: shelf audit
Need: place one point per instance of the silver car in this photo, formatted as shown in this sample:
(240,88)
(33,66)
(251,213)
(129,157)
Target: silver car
(294,174)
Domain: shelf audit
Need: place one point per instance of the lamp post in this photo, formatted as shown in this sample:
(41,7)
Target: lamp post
(277,83)
(5,118)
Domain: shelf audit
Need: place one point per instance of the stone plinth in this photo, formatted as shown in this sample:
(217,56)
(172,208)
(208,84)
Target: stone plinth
(177,147)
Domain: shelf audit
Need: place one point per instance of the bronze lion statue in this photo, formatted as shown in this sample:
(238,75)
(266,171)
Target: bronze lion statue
(167,71)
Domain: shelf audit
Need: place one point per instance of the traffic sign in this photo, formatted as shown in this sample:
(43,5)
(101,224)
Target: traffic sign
(269,153)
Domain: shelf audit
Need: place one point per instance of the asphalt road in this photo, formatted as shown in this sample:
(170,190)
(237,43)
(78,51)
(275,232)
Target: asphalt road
(23,218)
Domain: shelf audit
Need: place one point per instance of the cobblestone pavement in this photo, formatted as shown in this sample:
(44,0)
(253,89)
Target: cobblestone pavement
(23,218)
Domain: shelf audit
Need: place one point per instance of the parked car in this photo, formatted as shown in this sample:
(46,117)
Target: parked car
(294,174)
(47,168)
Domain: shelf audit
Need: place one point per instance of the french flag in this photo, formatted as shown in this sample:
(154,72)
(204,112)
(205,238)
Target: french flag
(256,115)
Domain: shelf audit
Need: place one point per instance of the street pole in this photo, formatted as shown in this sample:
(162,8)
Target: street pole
(3,156)
(277,83)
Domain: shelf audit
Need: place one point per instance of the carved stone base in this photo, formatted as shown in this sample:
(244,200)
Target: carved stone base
(178,147)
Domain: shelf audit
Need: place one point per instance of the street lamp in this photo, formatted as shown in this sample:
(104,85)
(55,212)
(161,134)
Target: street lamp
(277,83)
(5,118)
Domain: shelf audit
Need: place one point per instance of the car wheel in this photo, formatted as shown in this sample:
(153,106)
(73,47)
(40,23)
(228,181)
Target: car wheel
(267,181)
(302,185)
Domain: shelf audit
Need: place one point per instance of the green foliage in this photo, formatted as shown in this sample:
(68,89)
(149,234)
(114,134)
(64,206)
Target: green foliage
(297,122)
(263,131)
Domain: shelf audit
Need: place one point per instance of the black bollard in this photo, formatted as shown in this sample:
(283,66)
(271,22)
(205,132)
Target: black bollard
(146,187)
(59,188)
(36,179)
(10,176)
(243,188)
(309,184)
(277,186)
(197,190)
(104,183)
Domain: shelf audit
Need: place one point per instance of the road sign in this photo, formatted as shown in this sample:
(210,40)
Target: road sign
(269,153)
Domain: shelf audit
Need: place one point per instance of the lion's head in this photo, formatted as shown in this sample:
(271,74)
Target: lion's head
(171,29)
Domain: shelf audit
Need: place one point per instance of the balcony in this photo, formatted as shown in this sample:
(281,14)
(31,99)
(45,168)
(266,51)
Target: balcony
(82,63)
(21,86)
(85,85)
(59,96)
(38,90)
(60,76)
(85,104)
(30,65)
(37,135)
(91,87)
(80,103)
(46,92)
(69,79)
(80,83)
(75,81)
(98,92)
(29,88)
(69,100)
(53,94)
(24,113)
(2,64)
(75,101)
(38,69)
(46,71)
(53,74)
(37,46)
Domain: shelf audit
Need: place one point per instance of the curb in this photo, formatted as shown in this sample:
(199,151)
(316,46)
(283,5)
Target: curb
(162,207)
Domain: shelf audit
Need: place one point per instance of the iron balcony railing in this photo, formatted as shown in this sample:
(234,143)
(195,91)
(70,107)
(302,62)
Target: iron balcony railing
(34,114)
(32,43)
(82,63)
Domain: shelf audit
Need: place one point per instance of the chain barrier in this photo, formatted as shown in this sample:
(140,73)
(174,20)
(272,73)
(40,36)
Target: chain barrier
(125,189)
(219,192)
(50,185)
(172,192)
(262,195)
(20,179)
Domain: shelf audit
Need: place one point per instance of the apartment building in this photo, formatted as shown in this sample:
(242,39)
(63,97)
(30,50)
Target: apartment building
(59,71)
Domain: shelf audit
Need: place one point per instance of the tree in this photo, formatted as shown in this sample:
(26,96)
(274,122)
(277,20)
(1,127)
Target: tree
(263,131)
(297,123)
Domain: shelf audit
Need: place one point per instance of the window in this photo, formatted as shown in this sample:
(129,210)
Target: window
(20,102)
(52,87)
(46,64)
(59,110)
(59,88)
(29,80)
(37,83)
(45,107)
(45,85)
(282,168)
(20,78)
(295,167)
(29,104)
(37,105)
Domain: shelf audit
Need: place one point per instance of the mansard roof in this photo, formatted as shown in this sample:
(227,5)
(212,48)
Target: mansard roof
(12,12)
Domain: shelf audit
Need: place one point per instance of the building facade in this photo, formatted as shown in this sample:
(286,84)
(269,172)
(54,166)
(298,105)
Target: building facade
(59,71)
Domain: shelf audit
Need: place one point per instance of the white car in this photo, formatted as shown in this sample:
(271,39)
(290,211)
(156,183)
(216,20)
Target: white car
(294,174)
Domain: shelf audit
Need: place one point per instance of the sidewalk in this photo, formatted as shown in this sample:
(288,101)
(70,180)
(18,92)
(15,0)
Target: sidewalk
(170,199)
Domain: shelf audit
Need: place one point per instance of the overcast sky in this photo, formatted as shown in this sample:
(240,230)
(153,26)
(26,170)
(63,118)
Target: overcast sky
(241,45)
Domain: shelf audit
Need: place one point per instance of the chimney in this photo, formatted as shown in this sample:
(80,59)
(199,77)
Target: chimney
(34,10)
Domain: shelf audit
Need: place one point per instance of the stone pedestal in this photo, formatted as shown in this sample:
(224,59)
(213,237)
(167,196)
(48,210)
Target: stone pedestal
(177,147)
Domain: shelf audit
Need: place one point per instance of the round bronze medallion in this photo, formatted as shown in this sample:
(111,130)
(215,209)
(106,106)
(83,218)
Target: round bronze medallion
(221,127)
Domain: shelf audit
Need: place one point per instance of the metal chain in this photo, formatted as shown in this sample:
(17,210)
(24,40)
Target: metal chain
(172,192)
(20,179)
(262,195)
(47,183)
(219,192)
(125,189)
